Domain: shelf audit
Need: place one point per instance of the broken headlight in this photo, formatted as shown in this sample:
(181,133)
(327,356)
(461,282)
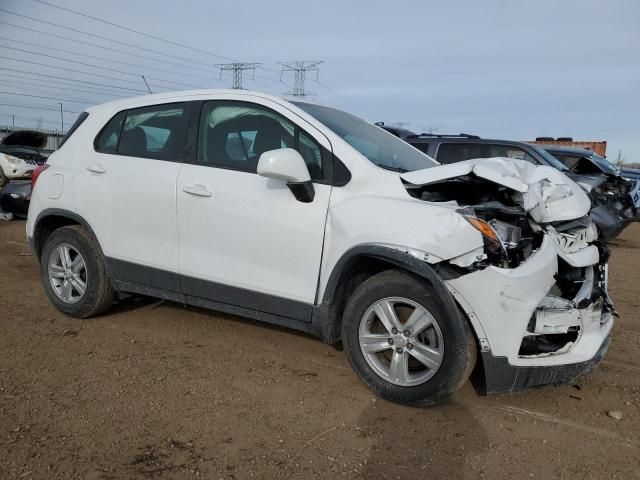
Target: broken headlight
(501,239)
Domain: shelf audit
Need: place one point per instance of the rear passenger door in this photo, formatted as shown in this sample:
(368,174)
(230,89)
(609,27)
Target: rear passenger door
(127,192)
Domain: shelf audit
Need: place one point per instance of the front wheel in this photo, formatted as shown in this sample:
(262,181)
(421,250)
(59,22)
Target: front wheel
(404,341)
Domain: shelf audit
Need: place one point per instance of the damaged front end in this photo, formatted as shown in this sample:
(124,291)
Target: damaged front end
(616,202)
(536,291)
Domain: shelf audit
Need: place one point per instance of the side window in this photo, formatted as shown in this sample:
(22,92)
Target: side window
(510,151)
(311,153)
(457,152)
(423,147)
(568,160)
(107,139)
(152,132)
(233,135)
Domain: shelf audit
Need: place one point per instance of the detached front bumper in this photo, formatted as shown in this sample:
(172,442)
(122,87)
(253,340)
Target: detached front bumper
(509,307)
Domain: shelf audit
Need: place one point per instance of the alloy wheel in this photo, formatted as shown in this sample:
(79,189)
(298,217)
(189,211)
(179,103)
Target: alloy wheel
(401,341)
(67,273)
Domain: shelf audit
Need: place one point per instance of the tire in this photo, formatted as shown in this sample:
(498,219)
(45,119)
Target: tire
(440,336)
(98,293)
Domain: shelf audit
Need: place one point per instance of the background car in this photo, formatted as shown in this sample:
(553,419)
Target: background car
(18,162)
(613,208)
(14,198)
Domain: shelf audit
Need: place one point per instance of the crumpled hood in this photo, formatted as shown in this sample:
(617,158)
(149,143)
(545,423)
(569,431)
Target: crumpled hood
(545,193)
(588,182)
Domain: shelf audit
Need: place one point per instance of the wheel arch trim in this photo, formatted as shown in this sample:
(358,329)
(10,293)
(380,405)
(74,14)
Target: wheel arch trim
(394,256)
(36,248)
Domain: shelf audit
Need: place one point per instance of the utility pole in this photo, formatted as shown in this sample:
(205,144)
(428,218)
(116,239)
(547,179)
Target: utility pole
(300,69)
(61,118)
(237,69)
(13,120)
(619,161)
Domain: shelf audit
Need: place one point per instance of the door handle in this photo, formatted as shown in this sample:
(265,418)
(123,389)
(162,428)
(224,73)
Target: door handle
(197,189)
(96,168)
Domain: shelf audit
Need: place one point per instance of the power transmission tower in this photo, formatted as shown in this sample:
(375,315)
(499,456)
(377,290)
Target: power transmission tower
(300,69)
(237,70)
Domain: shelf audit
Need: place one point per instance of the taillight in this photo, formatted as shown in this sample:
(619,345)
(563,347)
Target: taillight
(36,173)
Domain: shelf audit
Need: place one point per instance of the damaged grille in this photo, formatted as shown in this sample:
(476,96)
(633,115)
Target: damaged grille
(578,298)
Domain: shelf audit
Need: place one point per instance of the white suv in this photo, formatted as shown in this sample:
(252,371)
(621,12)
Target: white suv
(308,217)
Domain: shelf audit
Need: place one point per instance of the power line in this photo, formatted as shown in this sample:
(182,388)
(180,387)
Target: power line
(124,52)
(170,42)
(35,107)
(70,70)
(20,80)
(77,62)
(300,69)
(73,80)
(148,35)
(101,37)
(35,119)
(345,99)
(106,59)
(83,102)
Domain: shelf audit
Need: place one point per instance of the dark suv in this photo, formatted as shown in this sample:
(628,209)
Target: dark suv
(613,207)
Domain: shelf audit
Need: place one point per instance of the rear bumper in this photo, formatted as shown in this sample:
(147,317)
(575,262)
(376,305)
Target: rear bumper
(502,377)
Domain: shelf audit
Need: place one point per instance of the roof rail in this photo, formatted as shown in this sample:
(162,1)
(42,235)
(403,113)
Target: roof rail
(443,135)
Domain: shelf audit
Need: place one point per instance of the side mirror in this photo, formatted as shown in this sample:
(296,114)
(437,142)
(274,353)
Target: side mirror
(288,165)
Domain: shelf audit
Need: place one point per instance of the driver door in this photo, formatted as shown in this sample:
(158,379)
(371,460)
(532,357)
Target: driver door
(245,239)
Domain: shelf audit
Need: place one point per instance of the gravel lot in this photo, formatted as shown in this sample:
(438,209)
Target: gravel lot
(158,390)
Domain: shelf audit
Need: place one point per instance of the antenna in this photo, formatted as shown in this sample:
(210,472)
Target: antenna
(300,69)
(145,82)
(238,69)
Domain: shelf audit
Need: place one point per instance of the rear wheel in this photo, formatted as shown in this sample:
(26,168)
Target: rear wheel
(404,341)
(73,273)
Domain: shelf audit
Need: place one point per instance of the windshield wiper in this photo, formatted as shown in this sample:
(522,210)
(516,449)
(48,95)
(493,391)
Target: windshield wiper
(393,169)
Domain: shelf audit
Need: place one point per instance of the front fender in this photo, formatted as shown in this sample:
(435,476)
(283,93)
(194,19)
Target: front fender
(326,318)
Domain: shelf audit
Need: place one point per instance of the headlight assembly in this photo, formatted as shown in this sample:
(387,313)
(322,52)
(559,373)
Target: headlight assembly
(13,160)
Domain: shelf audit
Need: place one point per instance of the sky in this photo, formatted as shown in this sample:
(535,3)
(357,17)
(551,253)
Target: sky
(498,69)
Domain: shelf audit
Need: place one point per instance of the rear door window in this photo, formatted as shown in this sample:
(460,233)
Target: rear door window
(154,132)
(457,152)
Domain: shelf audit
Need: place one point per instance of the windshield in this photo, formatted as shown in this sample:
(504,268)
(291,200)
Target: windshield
(550,159)
(604,164)
(380,147)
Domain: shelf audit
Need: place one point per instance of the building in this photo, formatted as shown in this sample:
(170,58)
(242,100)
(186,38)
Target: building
(598,147)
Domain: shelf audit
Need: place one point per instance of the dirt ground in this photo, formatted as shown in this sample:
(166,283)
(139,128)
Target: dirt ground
(158,390)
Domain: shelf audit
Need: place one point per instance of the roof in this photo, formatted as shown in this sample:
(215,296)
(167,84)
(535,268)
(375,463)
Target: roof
(178,96)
